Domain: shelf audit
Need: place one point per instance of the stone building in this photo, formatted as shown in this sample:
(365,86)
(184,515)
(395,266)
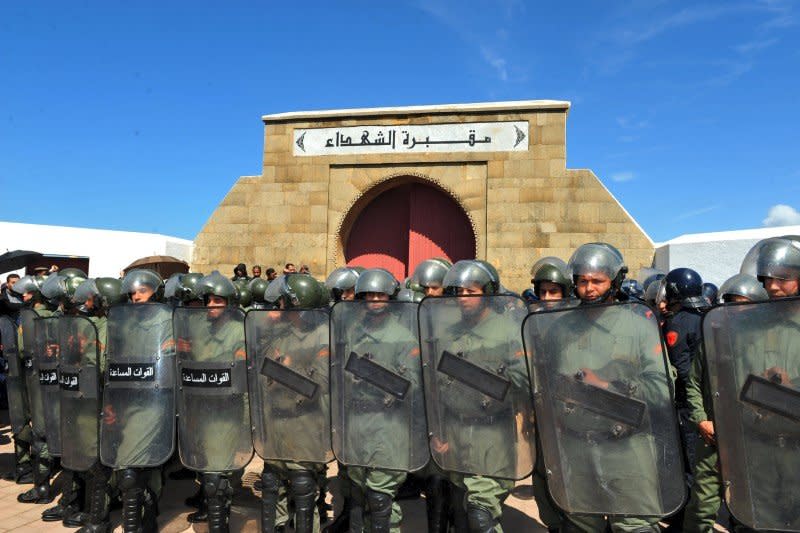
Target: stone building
(392,186)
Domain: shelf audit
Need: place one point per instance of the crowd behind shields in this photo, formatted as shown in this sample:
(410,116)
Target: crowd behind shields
(633,406)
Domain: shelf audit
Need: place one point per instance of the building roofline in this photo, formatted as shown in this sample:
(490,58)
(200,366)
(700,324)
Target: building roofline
(481,107)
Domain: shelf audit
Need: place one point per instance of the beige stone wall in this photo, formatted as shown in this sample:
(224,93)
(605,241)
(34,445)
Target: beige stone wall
(522,205)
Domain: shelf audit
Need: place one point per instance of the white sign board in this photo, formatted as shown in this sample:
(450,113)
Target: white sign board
(466,137)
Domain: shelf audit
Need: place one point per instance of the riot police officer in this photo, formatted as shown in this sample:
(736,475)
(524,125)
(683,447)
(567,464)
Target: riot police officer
(430,274)
(35,306)
(289,393)
(213,435)
(342,282)
(683,292)
(138,426)
(616,461)
(84,358)
(477,389)
(706,495)
(376,397)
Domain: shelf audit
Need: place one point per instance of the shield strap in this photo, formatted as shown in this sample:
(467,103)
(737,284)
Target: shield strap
(471,375)
(772,396)
(289,378)
(606,403)
(364,368)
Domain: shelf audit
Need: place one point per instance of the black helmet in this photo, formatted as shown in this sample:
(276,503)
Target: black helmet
(743,285)
(182,288)
(600,257)
(245,297)
(469,273)
(143,277)
(776,257)
(215,284)
(430,273)
(710,293)
(632,289)
(554,270)
(377,280)
(683,284)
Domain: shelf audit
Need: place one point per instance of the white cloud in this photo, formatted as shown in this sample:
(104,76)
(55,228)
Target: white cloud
(782,215)
(497,63)
(755,46)
(620,177)
(696,212)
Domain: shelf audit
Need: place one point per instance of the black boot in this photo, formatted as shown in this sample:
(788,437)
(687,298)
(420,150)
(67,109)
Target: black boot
(201,515)
(380,511)
(436,500)
(149,512)
(458,509)
(132,499)
(41,491)
(97,496)
(218,496)
(196,499)
(270,484)
(303,491)
(341,523)
(480,519)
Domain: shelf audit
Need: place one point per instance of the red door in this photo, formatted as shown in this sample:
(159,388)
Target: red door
(406,225)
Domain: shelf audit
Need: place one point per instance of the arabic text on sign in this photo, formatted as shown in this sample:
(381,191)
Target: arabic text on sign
(131,372)
(197,377)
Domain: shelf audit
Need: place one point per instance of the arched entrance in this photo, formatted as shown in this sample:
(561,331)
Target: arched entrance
(407,224)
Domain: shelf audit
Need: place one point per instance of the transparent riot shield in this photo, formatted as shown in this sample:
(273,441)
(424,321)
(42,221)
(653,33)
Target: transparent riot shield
(213,410)
(477,390)
(15,380)
(47,353)
(79,380)
(138,422)
(288,363)
(753,364)
(604,408)
(377,402)
(30,369)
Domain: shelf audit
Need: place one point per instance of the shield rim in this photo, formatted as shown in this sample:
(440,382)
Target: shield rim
(178,387)
(670,389)
(723,463)
(99,399)
(174,391)
(524,307)
(251,368)
(345,303)
(54,447)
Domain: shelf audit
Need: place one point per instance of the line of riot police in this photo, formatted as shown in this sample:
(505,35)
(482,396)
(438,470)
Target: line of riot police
(451,385)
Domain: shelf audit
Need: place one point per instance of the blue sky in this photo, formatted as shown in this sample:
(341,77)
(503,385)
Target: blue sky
(141,115)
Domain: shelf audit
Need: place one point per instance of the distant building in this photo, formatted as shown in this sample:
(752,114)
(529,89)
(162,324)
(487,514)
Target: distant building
(109,251)
(716,256)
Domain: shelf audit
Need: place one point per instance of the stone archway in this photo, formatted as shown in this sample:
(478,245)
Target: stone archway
(404,223)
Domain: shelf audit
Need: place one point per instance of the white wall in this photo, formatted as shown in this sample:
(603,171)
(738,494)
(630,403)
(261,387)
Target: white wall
(716,256)
(108,251)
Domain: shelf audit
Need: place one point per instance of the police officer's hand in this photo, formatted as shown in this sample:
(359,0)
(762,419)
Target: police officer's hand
(706,428)
(589,376)
(109,416)
(439,446)
(184,345)
(777,375)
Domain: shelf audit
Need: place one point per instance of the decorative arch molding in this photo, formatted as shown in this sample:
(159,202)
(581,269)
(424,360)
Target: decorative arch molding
(375,189)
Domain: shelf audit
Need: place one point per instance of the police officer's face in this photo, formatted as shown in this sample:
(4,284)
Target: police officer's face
(781,288)
(27,297)
(216,304)
(349,294)
(377,301)
(470,306)
(142,294)
(433,291)
(592,286)
(550,291)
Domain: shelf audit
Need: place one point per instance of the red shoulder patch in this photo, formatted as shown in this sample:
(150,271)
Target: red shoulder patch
(672,338)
